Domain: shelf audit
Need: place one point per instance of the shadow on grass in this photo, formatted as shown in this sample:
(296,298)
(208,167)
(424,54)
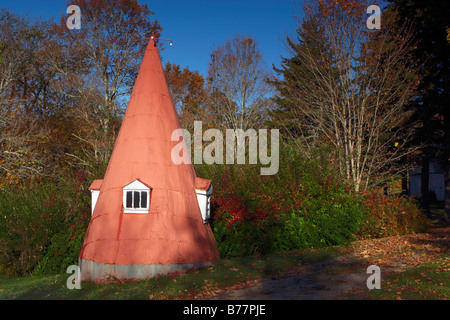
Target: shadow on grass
(223,274)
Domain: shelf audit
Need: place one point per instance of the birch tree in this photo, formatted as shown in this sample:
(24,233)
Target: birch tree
(346,86)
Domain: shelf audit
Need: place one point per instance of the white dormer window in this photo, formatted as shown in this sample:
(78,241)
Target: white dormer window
(136,197)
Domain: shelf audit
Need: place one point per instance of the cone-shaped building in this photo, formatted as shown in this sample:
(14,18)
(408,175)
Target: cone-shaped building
(147,221)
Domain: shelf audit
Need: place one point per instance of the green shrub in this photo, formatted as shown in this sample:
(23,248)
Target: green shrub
(305,205)
(42,226)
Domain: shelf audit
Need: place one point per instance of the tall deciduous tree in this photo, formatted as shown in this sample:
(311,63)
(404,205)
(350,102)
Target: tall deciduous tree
(347,86)
(108,37)
(109,45)
(237,80)
(27,98)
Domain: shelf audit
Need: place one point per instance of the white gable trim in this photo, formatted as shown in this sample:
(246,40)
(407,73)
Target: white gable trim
(136,185)
(205,192)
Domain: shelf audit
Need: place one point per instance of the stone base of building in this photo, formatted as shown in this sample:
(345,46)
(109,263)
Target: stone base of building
(98,272)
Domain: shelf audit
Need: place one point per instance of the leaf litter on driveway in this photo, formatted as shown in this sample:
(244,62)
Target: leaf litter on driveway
(344,277)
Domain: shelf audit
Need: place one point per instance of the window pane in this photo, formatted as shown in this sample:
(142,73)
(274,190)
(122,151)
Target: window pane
(129,199)
(144,199)
(136,199)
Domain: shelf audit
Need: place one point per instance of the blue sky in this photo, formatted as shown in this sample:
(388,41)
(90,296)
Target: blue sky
(197,26)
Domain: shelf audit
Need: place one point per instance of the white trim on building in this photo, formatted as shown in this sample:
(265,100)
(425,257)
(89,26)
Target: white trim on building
(204,202)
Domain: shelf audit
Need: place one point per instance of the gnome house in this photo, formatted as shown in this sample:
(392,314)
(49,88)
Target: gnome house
(149,215)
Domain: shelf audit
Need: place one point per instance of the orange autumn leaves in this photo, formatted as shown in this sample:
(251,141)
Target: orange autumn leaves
(349,7)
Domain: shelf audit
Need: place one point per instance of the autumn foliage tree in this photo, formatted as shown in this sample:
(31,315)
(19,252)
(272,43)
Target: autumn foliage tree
(108,37)
(109,44)
(189,94)
(62,91)
(28,99)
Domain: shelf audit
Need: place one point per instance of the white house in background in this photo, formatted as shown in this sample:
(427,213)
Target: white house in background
(203,189)
(435,184)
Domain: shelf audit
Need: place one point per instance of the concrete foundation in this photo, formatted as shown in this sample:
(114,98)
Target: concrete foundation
(97,272)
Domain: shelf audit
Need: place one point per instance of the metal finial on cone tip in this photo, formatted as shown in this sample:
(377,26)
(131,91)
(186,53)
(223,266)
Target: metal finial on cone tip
(152,37)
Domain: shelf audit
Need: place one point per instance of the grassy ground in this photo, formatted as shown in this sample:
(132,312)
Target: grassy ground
(211,280)
(413,267)
(418,265)
(430,281)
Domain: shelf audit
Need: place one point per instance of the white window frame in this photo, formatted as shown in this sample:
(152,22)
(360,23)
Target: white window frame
(136,186)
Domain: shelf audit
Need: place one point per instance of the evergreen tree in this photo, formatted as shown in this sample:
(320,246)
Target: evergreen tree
(429,21)
(296,78)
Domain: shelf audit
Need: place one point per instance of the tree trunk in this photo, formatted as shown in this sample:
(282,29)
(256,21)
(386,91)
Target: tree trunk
(404,183)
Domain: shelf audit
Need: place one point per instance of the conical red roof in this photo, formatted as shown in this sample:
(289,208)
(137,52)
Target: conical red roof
(173,231)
